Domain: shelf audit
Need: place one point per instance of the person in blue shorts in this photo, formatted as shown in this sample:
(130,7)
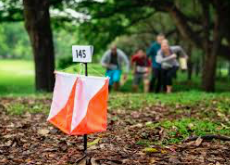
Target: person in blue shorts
(113,60)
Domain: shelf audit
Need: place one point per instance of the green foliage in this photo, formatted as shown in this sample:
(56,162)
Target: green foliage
(64,62)
(64,37)
(14,41)
(109,19)
(93,69)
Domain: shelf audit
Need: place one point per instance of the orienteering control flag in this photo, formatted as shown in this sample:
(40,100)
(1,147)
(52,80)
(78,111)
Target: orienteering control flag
(79,103)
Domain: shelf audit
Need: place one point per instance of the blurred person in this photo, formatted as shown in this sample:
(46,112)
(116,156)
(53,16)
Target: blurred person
(155,83)
(141,68)
(167,57)
(113,60)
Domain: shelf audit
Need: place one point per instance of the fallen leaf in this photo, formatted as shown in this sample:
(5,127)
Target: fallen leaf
(8,143)
(139,125)
(174,160)
(95,142)
(198,141)
(163,151)
(43,131)
(149,123)
(93,161)
(150,149)
(152,161)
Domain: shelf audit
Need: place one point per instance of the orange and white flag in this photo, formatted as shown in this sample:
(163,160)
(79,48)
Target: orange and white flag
(79,103)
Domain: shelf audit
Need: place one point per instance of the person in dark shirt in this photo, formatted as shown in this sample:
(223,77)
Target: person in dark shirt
(141,69)
(155,83)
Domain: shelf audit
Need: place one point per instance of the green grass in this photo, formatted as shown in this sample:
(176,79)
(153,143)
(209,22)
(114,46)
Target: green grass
(134,101)
(20,108)
(16,77)
(179,129)
(93,69)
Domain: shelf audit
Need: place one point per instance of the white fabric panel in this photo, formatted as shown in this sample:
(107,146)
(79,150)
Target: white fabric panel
(86,89)
(63,85)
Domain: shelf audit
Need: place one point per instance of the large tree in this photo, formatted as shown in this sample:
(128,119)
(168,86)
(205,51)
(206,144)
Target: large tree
(202,23)
(37,23)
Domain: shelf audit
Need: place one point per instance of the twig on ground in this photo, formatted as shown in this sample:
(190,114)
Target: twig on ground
(208,137)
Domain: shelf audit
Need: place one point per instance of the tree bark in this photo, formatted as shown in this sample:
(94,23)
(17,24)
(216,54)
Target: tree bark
(209,72)
(197,68)
(229,69)
(209,62)
(190,63)
(37,24)
(211,48)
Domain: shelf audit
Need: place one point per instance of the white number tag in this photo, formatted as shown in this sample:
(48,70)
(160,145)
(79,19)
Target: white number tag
(82,53)
(142,69)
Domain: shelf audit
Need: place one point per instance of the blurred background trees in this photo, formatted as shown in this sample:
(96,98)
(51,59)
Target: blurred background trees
(200,26)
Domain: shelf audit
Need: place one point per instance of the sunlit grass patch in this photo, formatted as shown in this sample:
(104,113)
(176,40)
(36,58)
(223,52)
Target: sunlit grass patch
(16,77)
(139,100)
(22,106)
(178,130)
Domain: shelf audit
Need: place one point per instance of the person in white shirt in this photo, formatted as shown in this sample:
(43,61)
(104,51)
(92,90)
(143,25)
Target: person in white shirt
(167,57)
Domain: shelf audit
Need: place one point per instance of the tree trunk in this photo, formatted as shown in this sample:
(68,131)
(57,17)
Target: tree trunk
(190,69)
(37,23)
(211,48)
(209,72)
(190,64)
(219,69)
(229,69)
(197,68)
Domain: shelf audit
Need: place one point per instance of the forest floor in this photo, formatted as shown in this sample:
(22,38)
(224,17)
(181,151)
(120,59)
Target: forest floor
(150,132)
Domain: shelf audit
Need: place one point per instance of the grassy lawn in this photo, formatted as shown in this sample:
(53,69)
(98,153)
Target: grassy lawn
(16,77)
(188,111)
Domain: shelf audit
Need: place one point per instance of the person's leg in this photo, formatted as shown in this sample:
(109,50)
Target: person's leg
(169,89)
(135,88)
(109,73)
(116,86)
(158,80)
(146,83)
(163,79)
(168,80)
(170,75)
(152,81)
(135,82)
(116,79)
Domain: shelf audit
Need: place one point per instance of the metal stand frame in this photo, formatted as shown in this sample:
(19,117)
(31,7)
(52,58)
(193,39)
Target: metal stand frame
(88,159)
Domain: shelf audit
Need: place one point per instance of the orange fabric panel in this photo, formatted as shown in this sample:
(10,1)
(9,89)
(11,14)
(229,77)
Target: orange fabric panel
(64,118)
(96,117)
